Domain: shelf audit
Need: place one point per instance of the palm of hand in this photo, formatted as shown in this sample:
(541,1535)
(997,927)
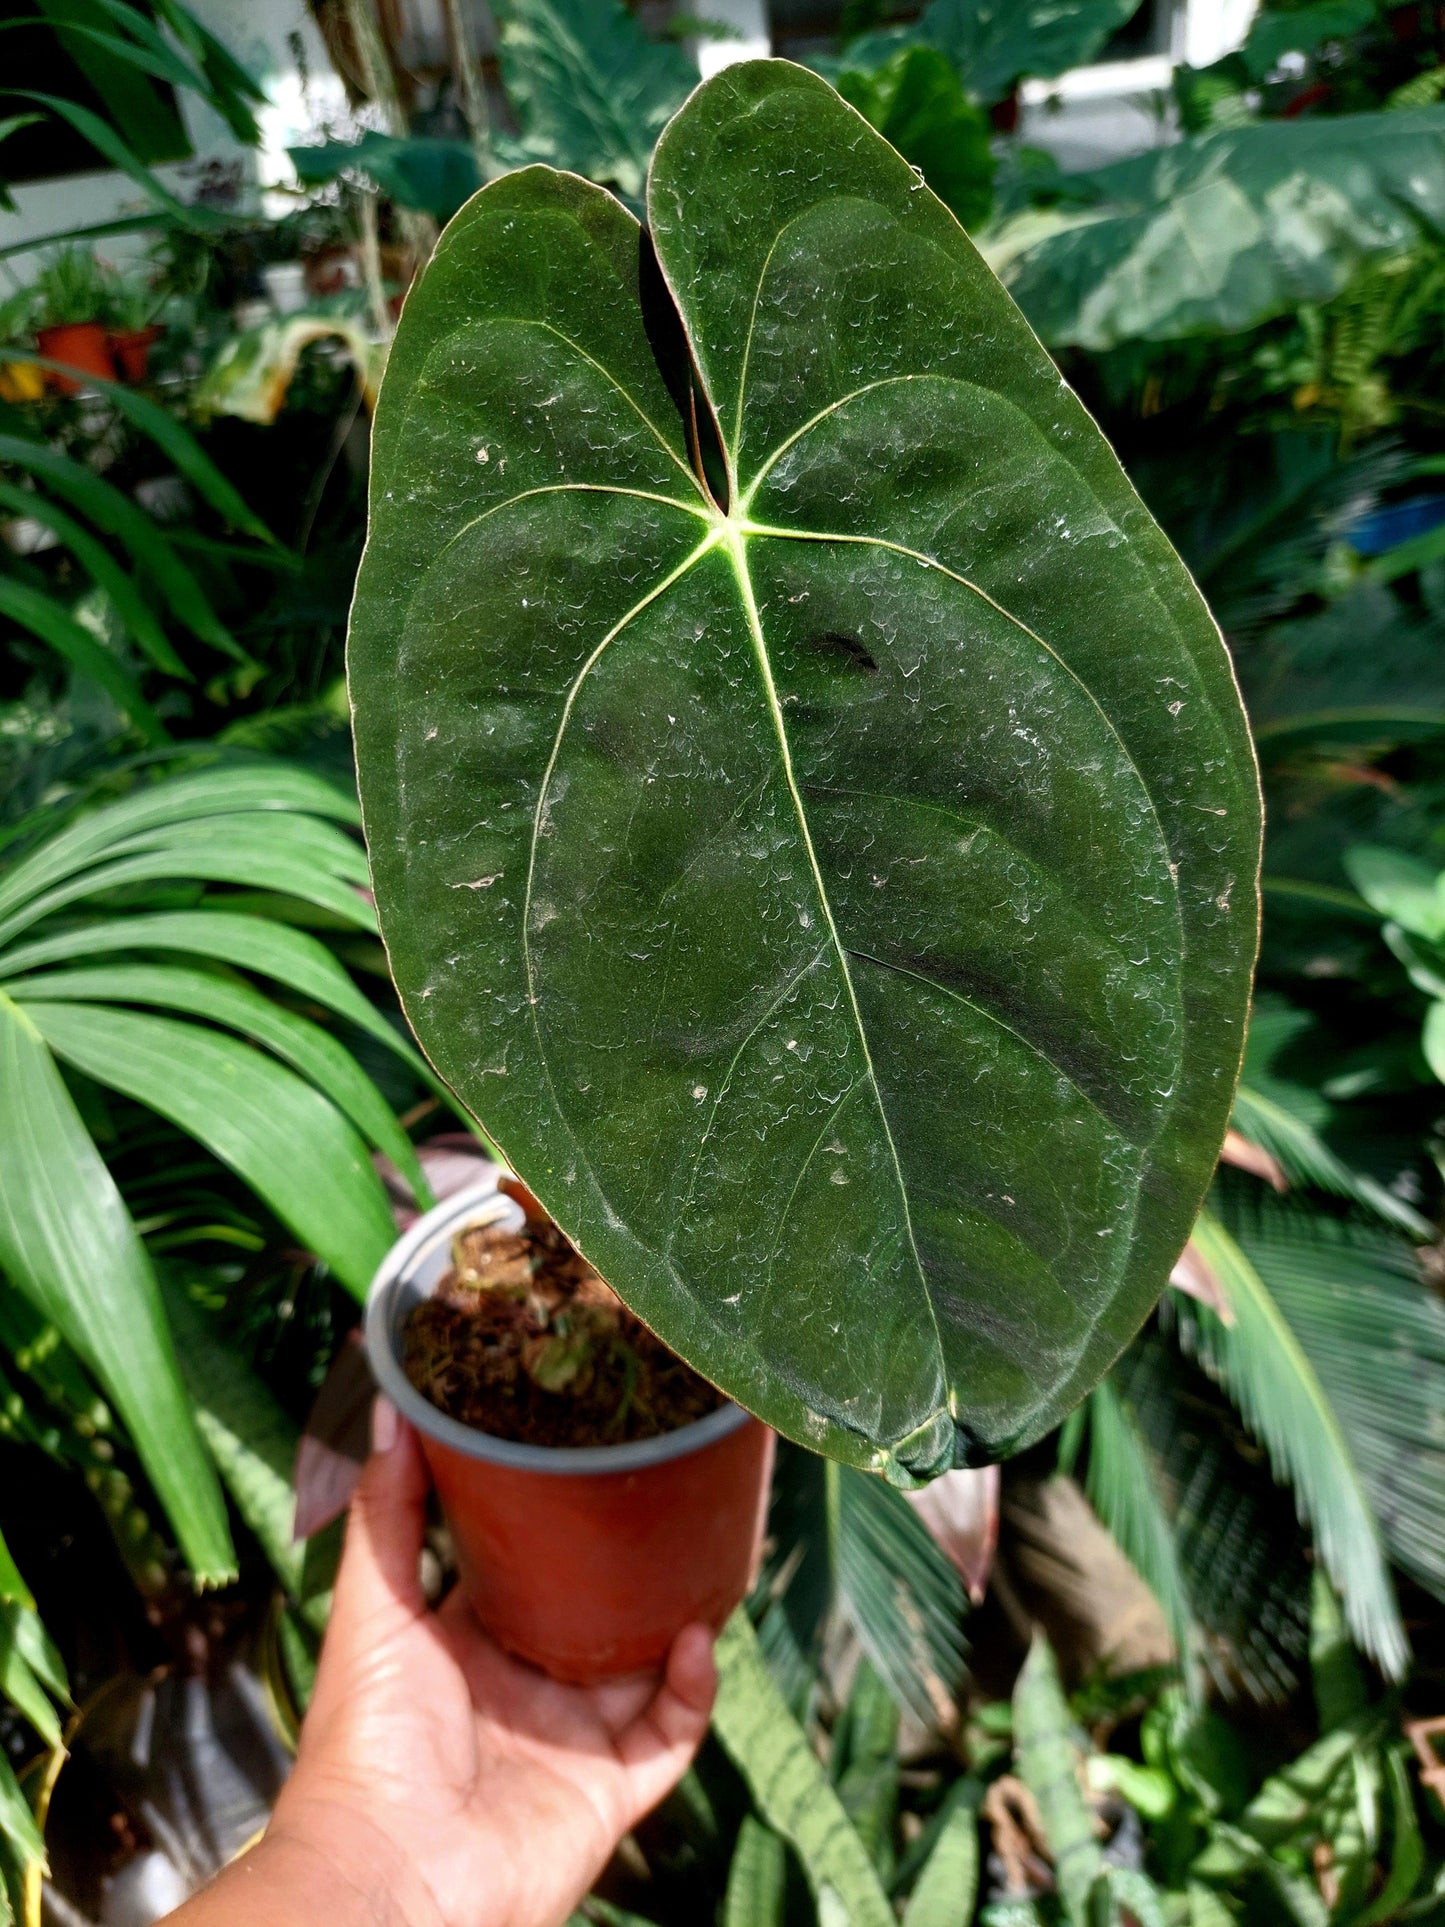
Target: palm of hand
(493,1794)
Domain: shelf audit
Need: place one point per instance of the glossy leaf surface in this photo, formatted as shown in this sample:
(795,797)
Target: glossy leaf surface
(838,902)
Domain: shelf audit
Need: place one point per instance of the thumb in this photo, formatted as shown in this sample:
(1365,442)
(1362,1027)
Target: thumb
(379,1576)
(658,1747)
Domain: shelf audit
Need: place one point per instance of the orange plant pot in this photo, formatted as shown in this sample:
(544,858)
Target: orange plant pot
(586,1561)
(81,345)
(132,351)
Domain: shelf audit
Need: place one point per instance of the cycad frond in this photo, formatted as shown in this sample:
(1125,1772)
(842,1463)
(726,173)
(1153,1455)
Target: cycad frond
(841,1541)
(1374,1334)
(1170,1458)
(1262,1363)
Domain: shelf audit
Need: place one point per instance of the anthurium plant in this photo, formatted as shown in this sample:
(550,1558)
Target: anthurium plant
(811,814)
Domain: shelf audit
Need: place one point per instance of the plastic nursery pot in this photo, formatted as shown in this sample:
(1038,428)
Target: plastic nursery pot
(132,351)
(81,345)
(586,1561)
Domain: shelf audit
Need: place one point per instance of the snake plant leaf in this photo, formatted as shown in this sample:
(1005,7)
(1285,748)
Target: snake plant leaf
(790,1789)
(836,892)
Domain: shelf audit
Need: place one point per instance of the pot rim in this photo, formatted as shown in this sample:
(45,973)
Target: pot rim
(396,1269)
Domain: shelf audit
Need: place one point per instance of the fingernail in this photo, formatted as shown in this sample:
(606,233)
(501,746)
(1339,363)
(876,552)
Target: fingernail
(383,1424)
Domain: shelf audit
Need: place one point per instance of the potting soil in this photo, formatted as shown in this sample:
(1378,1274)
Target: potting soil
(525,1341)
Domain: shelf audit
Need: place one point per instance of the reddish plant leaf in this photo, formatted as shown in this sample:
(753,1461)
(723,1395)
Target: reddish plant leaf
(961,1511)
(1244,1156)
(1196,1277)
(335,1442)
(452,1160)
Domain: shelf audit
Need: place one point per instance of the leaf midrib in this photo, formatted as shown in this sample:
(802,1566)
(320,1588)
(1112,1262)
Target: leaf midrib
(737,554)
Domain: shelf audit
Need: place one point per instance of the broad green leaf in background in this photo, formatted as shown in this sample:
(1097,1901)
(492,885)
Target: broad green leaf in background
(993,44)
(589,88)
(1404,888)
(915,101)
(1220,233)
(799,884)
(433,175)
(1274,33)
(67,1241)
(789,1787)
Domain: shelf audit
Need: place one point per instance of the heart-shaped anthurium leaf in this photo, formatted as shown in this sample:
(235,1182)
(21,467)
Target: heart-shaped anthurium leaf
(837,900)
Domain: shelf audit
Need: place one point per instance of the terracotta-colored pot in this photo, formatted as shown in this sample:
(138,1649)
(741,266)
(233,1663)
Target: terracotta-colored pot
(81,345)
(132,351)
(586,1561)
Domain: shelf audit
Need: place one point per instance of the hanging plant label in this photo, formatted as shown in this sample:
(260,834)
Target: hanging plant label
(812,818)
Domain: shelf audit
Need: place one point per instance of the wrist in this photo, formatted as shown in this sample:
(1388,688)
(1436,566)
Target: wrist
(292,1879)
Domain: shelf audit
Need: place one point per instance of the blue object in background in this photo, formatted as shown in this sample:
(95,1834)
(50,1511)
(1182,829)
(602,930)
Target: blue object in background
(1388,527)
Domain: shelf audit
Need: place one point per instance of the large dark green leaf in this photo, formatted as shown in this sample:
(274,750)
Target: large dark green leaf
(1220,233)
(802,893)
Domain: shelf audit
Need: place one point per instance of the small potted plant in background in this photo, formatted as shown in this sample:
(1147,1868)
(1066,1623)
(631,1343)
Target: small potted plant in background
(135,303)
(73,294)
(811,814)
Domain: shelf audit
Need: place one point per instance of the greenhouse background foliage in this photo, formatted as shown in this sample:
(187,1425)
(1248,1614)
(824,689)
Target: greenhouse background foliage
(1184,1660)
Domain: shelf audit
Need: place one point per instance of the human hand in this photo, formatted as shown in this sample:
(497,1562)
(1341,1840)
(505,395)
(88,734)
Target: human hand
(440,1782)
